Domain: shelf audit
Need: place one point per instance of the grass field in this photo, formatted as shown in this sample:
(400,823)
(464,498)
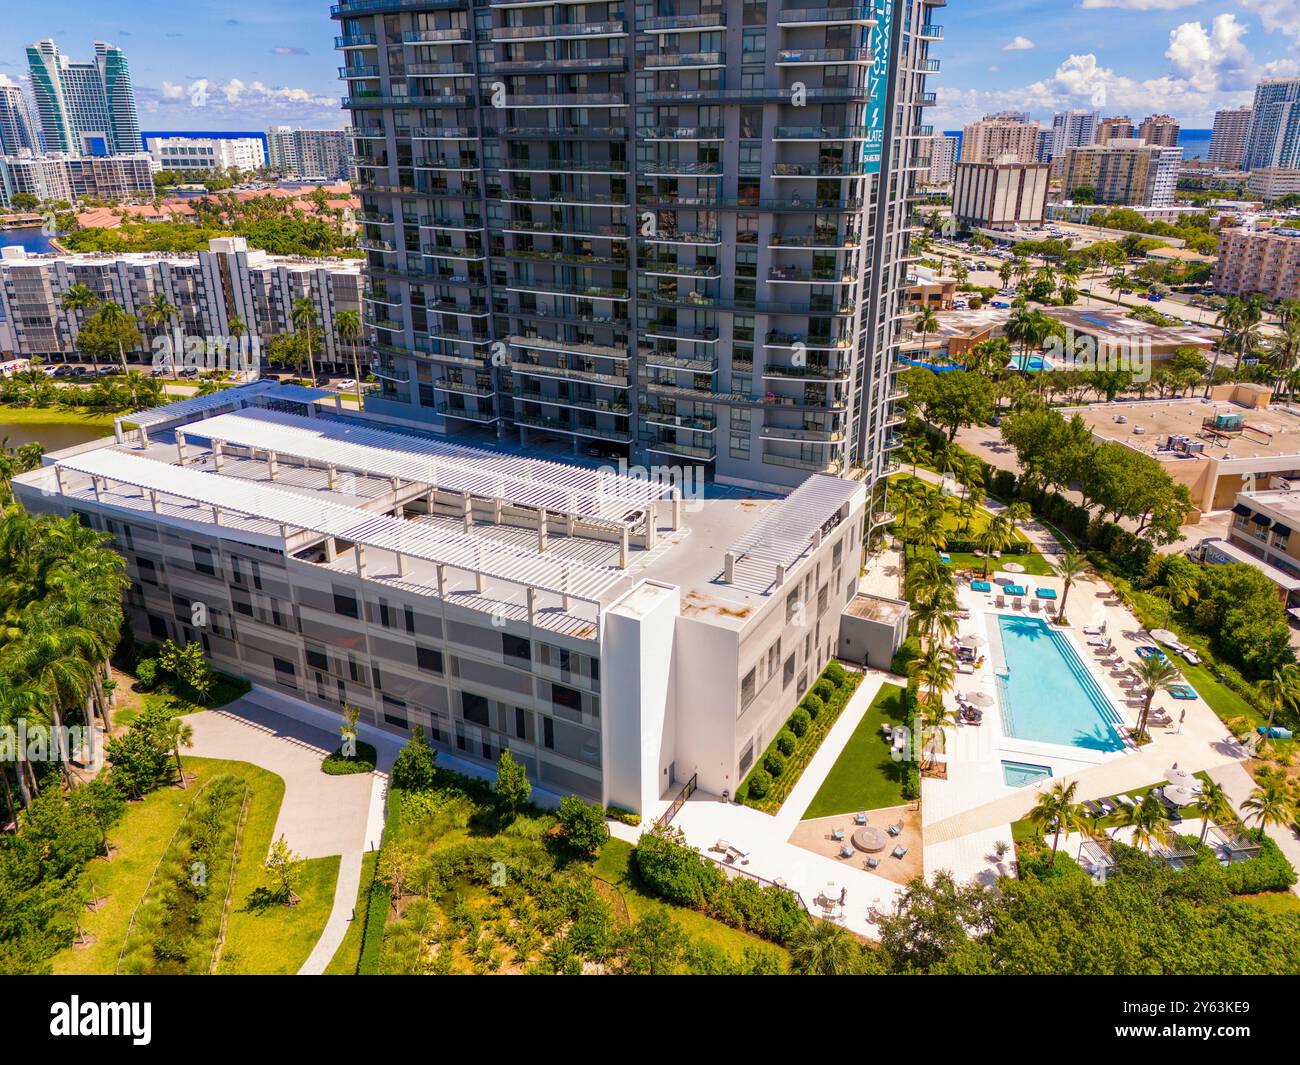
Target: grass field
(865,776)
(37,416)
(344,962)
(1225,702)
(1272,901)
(616,868)
(275,941)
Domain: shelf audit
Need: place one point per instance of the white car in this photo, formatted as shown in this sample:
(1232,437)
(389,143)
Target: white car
(346,383)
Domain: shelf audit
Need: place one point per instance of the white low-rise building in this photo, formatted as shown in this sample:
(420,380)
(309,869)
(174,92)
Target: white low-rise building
(207,153)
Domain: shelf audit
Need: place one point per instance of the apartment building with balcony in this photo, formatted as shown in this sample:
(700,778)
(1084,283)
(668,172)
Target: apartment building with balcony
(210,289)
(1127,172)
(618,638)
(1264,261)
(671,232)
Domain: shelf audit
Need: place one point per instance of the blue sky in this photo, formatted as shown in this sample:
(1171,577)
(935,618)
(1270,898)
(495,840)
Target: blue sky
(236,64)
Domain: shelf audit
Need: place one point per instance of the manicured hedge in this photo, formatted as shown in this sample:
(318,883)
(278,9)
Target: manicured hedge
(766,788)
(336,765)
(1269,872)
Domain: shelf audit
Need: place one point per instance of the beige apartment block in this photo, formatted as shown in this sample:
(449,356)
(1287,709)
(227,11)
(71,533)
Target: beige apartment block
(1262,261)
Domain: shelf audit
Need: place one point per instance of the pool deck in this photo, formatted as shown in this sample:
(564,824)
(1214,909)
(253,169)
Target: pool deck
(966,814)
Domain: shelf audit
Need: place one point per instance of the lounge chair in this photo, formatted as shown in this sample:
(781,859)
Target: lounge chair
(1017,604)
(1000,602)
(837,834)
(1050,608)
(1124,800)
(895,829)
(1107,806)
(860,818)
(1033,606)
(1092,630)
(899,852)
(846,851)
(1093,808)
(873,863)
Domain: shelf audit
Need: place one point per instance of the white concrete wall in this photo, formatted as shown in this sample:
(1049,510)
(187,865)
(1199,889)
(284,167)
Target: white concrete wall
(638,695)
(708,701)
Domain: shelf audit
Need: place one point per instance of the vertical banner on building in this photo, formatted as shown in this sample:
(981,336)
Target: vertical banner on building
(878,83)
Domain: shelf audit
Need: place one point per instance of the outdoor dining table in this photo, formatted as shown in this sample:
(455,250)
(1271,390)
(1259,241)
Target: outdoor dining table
(870,839)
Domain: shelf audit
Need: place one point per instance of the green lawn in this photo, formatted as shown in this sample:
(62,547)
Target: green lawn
(139,840)
(865,776)
(1225,702)
(57,415)
(276,941)
(615,867)
(1035,564)
(225,689)
(344,962)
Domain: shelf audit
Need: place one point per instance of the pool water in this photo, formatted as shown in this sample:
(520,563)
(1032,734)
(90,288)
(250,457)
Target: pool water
(1047,693)
(1020,774)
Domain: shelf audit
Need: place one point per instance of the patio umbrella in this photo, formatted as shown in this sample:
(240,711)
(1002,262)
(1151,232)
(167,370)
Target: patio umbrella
(1014,567)
(1178,776)
(979,699)
(1179,794)
(973,640)
(1163,636)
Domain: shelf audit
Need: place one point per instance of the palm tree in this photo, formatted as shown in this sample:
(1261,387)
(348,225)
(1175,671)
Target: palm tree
(915,452)
(1016,513)
(348,326)
(303,316)
(116,320)
(1148,820)
(1020,328)
(995,536)
(1213,804)
(926,322)
(1070,568)
(1006,272)
(158,312)
(1271,804)
(1286,354)
(238,327)
(1280,690)
(1057,810)
(79,298)
(936,717)
(178,733)
(936,668)
(820,948)
(1155,674)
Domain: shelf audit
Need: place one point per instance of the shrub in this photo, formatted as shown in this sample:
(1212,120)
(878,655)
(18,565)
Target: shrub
(626,817)
(800,721)
(912,783)
(823,689)
(413,769)
(835,673)
(147,673)
(364,761)
(582,825)
(813,704)
(759,783)
(1269,872)
(786,742)
(774,763)
(676,871)
(910,649)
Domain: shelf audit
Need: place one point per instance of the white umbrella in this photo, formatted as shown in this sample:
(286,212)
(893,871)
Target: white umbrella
(1179,794)
(1163,636)
(979,699)
(973,640)
(1014,567)
(1178,776)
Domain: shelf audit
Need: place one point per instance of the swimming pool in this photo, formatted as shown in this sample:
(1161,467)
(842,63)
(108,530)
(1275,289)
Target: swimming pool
(1021,774)
(1047,694)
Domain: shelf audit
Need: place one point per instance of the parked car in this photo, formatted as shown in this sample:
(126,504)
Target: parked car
(347,384)
(1001,305)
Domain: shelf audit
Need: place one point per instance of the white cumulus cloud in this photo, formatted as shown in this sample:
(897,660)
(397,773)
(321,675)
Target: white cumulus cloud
(1018,44)
(1212,59)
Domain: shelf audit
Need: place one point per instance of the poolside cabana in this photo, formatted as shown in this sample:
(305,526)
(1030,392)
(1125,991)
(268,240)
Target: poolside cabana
(1097,858)
(1174,852)
(1233,843)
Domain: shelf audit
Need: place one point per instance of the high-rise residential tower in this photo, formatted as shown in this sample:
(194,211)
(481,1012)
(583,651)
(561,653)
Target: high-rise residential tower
(314,153)
(84,108)
(1072,129)
(676,233)
(1119,126)
(995,137)
(17,130)
(1159,129)
(1274,137)
(1228,141)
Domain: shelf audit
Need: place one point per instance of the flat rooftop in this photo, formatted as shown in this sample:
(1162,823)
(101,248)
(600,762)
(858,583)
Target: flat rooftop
(1280,505)
(1117,325)
(874,608)
(575,576)
(1273,432)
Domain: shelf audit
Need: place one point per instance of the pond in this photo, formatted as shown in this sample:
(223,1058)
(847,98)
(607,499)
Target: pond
(53,435)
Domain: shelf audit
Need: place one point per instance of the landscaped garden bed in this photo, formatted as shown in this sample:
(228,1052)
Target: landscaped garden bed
(776,772)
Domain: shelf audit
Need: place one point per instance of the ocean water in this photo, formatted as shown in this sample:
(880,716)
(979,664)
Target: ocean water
(1195,143)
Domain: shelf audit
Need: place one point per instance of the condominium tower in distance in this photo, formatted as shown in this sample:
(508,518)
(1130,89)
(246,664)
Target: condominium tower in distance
(1118,126)
(673,232)
(1072,129)
(1274,137)
(1159,129)
(17,130)
(85,108)
(995,137)
(310,153)
(1228,140)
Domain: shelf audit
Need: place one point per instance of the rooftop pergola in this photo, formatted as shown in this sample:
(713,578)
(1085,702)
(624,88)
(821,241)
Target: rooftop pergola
(480,555)
(788,530)
(599,497)
(227,399)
